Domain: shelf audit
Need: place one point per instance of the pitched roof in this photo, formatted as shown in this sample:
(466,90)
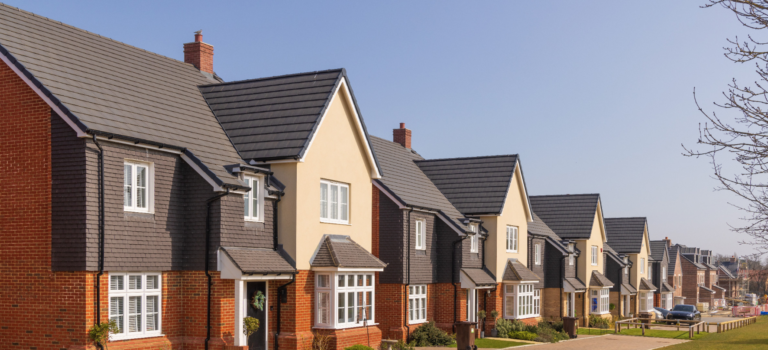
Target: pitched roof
(627,288)
(646,284)
(105,87)
(672,251)
(658,249)
(732,267)
(625,235)
(516,272)
(613,254)
(707,289)
(480,277)
(599,280)
(538,227)
(666,288)
(259,261)
(405,180)
(569,216)
(698,266)
(727,272)
(576,283)
(342,251)
(476,185)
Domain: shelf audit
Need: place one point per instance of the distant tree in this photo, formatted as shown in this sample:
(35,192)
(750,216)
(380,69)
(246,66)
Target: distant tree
(744,137)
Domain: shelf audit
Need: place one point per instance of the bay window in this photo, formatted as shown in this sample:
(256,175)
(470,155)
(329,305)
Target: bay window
(253,199)
(134,304)
(417,303)
(599,301)
(334,202)
(137,189)
(646,301)
(521,301)
(344,300)
(666,301)
(511,239)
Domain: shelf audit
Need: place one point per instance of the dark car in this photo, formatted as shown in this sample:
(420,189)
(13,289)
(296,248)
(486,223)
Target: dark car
(664,312)
(684,312)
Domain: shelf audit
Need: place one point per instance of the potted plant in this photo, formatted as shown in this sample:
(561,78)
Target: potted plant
(99,333)
(494,316)
(481,318)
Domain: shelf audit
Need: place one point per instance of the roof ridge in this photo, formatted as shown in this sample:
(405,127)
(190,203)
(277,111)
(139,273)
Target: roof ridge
(476,157)
(629,217)
(89,32)
(567,195)
(274,77)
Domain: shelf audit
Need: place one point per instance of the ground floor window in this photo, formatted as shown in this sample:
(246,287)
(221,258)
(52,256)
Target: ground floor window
(646,301)
(521,301)
(599,300)
(666,301)
(417,303)
(344,299)
(134,304)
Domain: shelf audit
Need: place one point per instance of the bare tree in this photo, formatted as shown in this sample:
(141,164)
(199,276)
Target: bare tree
(743,138)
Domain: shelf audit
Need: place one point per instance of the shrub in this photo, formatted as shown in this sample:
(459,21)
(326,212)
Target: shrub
(532,329)
(599,322)
(523,335)
(429,335)
(99,333)
(549,335)
(504,327)
(401,345)
(358,347)
(556,325)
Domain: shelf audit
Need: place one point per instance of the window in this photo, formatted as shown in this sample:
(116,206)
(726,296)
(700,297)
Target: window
(594,255)
(650,272)
(642,265)
(253,199)
(626,270)
(417,303)
(137,188)
(421,239)
(646,301)
(334,202)
(134,304)
(599,301)
(666,301)
(474,239)
(537,254)
(511,239)
(663,273)
(570,259)
(344,299)
(521,301)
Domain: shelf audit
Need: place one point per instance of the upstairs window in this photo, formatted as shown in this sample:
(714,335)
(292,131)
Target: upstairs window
(334,202)
(650,272)
(594,255)
(642,265)
(570,259)
(474,239)
(137,187)
(134,305)
(537,254)
(511,239)
(421,239)
(663,273)
(253,198)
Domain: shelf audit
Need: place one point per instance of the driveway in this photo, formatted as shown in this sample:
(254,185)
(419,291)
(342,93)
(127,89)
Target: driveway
(612,342)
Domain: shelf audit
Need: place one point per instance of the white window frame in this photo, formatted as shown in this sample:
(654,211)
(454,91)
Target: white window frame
(254,182)
(599,306)
(473,241)
(143,293)
(570,259)
(512,239)
(150,184)
(537,254)
(329,205)
(666,301)
(646,301)
(417,303)
(642,265)
(421,235)
(664,273)
(594,255)
(365,292)
(525,300)
(650,273)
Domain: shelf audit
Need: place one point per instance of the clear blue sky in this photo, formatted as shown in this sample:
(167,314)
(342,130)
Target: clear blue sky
(596,96)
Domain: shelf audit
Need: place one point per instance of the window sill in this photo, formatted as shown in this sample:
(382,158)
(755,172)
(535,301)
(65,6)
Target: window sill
(121,337)
(417,322)
(511,251)
(335,223)
(602,313)
(137,211)
(359,325)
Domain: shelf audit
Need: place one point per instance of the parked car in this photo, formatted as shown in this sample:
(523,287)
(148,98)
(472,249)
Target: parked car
(684,312)
(664,312)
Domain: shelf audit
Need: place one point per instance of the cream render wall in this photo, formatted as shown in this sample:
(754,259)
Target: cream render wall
(645,251)
(515,213)
(337,153)
(596,238)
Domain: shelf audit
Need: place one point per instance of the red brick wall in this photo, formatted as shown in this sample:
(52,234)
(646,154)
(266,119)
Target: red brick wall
(690,282)
(200,55)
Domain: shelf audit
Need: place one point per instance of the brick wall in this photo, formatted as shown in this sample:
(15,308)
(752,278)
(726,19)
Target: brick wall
(690,282)
(553,303)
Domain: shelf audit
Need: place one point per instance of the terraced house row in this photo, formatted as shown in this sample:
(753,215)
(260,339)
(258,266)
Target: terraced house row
(149,192)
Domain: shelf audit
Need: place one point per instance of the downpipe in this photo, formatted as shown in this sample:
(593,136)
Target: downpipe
(208,203)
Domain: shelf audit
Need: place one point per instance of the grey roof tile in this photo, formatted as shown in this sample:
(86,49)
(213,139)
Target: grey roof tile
(613,254)
(733,267)
(516,272)
(646,285)
(707,289)
(625,235)
(110,87)
(658,249)
(258,261)
(698,266)
(576,283)
(475,185)
(480,277)
(627,289)
(599,280)
(727,272)
(666,288)
(672,251)
(569,216)
(342,251)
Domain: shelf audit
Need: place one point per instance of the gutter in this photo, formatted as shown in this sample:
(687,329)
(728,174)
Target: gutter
(208,261)
(408,264)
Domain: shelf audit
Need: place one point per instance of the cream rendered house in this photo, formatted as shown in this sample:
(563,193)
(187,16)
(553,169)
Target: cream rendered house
(579,219)
(629,236)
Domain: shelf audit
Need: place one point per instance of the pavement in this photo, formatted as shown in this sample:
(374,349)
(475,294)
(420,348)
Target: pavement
(612,342)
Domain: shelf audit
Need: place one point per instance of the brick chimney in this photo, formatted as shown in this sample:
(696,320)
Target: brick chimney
(733,258)
(199,54)
(669,242)
(402,136)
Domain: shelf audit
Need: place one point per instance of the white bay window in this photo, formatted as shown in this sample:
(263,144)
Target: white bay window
(599,301)
(344,300)
(521,301)
(137,186)
(646,301)
(134,304)
(334,202)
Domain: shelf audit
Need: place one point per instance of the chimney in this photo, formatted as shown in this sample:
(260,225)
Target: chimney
(669,242)
(199,54)
(733,258)
(402,136)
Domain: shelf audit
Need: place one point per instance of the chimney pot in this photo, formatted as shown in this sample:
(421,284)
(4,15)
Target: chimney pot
(199,54)
(402,136)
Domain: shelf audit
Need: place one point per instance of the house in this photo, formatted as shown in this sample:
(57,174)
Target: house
(660,276)
(629,236)
(675,272)
(711,279)
(694,289)
(579,219)
(728,277)
(617,268)
(176,204)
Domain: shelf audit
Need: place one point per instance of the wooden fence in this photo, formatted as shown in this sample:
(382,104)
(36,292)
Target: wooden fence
(698,326)
(729,325)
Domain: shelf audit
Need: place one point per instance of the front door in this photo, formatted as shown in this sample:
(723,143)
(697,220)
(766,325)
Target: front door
(257,308)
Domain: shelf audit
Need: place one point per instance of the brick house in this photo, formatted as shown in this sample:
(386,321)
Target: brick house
(675,272)
(728,277)
(629,236)
(664,296)
(617,268)
(159,190)
(694,290)
(578,219)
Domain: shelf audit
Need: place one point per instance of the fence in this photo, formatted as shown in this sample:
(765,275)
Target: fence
(730,325)
(698,326)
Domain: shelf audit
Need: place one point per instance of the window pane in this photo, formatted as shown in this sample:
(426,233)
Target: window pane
(116,312)
(141,187)
(341,280)
(334,202)
(423,308)
(322,281)
(509,310)
(344,203)
(360,280)
(127,183)
(152,313)
(116,283)
(255,198)
(134,282)
(360,306)
(341,306)
(324,201)
(369,305)
(369,280)
(247,198)
(322,305)
(134,314)
(351,307)
(350,280)
(152,282)
(410,309)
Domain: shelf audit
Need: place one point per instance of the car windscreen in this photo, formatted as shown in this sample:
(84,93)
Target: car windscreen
(687,308)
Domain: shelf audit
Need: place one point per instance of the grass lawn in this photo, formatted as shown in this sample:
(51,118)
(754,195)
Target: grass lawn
(594,331)
(754,336)
(493,343)
(648,333)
